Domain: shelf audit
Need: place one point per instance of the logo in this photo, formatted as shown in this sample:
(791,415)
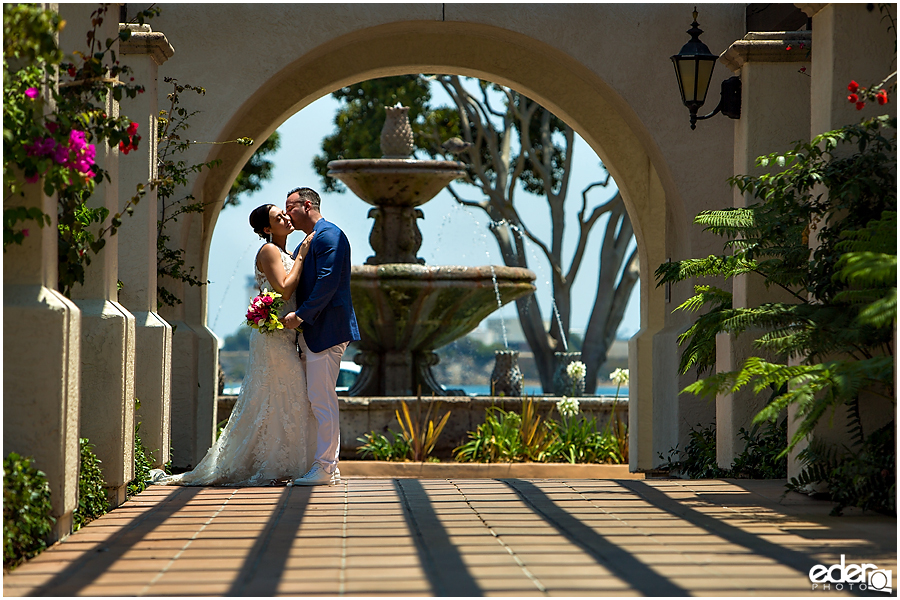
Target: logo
(856,577)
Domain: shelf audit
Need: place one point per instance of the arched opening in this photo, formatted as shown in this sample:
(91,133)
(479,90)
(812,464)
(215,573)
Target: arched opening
(573,92)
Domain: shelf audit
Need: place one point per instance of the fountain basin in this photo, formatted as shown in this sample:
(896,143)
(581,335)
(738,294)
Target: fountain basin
(395,181)
(406,311)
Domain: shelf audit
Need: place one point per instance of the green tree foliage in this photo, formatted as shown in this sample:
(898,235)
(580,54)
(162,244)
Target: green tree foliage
(256,171)
(841,326)
(239,340)
(824,228)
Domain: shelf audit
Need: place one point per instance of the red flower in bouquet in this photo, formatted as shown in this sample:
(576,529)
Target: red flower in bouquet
(262,314)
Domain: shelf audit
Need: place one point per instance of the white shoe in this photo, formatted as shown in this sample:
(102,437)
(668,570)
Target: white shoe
(317,475)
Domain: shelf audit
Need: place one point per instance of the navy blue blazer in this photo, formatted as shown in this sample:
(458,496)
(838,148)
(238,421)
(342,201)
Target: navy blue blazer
(323,293)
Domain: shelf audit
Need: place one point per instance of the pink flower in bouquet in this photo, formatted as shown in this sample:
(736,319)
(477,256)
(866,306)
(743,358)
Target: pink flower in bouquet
(262,314)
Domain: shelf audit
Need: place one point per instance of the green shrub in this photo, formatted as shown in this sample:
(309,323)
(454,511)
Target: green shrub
(506,436)
(863,476)
(143,462)
(698,460)
(495,440)
(92,500)
(379,447)
(763,456)
(27,523)
(578,441)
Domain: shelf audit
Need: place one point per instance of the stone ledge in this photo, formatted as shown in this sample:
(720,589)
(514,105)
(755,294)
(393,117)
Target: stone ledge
(768,47)
(419,470)
(145,41)
(360,415)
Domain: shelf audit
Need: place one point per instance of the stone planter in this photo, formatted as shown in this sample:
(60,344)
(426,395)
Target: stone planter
(563,385)
(507,378)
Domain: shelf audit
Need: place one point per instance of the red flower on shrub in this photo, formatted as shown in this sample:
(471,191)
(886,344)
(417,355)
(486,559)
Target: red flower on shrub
(882,97)
(852,98)
(853,87)
(860,105)
(133,139)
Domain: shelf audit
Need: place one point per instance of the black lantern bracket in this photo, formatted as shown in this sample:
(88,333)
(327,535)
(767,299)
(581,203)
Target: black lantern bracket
(694,66)
(729,103)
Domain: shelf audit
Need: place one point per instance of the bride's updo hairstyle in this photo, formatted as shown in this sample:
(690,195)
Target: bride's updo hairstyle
(259,220)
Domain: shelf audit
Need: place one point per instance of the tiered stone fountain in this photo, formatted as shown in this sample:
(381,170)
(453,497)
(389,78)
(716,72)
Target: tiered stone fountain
(405,309)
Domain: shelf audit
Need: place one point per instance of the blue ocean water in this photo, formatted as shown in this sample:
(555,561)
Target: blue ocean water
(484,390)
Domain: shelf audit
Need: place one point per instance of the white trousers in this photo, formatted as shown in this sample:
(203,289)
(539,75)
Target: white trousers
(322,370)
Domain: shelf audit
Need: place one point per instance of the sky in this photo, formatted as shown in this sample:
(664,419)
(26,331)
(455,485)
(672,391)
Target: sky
(451,234)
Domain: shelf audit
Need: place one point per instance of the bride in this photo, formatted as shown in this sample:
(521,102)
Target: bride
(271,434)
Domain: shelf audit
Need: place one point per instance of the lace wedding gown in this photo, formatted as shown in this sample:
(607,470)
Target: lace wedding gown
(271,433)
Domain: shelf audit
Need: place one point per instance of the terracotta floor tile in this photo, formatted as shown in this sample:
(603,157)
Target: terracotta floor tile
(306,587)
(312,562)
(369,534)
(387,586)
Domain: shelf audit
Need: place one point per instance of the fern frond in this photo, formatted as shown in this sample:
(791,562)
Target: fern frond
(729,222)
(712,266)
(877,236)
(882,313)
(867,268)
(706,294)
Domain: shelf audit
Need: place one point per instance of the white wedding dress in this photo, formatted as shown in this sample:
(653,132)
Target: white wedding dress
(271,434)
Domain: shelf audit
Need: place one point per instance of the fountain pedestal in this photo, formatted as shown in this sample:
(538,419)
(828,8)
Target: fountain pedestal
(404,309)
(405,312)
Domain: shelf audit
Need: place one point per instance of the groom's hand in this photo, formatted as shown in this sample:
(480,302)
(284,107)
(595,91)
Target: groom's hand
(291,321)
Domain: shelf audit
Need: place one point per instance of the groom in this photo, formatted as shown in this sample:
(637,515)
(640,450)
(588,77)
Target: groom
(325,312)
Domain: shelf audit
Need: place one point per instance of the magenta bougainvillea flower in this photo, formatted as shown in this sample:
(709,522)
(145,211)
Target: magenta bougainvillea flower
(32,93)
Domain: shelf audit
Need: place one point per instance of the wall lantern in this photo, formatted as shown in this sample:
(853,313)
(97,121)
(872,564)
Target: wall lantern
(693,68)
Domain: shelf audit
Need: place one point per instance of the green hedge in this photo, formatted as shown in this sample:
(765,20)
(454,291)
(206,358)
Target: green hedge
(27,523)
(92,500)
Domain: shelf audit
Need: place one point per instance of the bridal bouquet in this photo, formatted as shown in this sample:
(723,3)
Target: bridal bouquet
(262,314)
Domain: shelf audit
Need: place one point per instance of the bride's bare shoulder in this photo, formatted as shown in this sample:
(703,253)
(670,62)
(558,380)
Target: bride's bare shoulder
(269,253)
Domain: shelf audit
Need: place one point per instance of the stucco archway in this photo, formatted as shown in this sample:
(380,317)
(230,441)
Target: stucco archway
(622,137)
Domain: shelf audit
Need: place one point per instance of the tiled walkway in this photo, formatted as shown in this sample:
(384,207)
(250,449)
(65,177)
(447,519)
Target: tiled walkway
(475,537)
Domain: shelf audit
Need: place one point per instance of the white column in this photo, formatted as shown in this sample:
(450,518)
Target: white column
(144,51)
(775,98)
(107,328)
(41,354)
(195,354)
(41,359)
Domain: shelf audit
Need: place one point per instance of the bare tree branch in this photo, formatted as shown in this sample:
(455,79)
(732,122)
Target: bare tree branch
(482,205)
